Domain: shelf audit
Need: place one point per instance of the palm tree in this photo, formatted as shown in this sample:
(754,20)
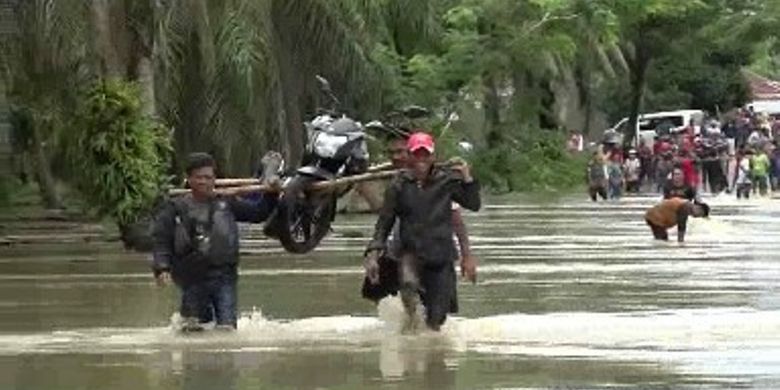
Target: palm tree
(598,56)
(43,65)
(526,45)
(240,73)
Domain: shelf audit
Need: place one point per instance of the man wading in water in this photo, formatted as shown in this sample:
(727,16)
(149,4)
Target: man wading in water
(389,261)
(421,199)
(196,245)
(597,176)
(673,212)
(678,188)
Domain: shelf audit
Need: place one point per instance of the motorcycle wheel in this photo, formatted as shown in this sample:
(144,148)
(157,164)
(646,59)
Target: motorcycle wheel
(304,218)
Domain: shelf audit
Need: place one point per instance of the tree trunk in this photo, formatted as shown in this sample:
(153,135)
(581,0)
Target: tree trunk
(588,117)
(48,188)
(492,107)
(291,88)
(530,98)
(144,50)
(638,68)
(108,59)
(585,81)
(145,73)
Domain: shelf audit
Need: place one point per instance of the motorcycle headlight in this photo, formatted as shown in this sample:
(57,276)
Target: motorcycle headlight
(326,145)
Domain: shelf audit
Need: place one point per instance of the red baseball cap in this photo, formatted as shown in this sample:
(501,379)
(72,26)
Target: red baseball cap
(419,141)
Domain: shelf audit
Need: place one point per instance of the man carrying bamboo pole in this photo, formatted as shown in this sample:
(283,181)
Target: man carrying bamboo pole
(420,198)
(388,262)
(196,245)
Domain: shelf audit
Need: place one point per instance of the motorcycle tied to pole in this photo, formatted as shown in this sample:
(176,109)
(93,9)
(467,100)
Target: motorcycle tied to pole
(336,148)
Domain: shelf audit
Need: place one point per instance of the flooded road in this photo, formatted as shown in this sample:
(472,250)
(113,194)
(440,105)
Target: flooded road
(571,294)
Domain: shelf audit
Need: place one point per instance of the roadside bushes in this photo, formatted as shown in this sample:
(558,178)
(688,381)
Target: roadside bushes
(119,157)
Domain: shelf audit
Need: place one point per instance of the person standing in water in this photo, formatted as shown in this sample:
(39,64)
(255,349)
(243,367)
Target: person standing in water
(688,164)
(420,199)
(389,261)
(759,171)
(673,212)
(633,172)
(663,170)
(676,187)
(743,184)
(196,246)
(646,163)
(774,158)
(615,174)
(597,175)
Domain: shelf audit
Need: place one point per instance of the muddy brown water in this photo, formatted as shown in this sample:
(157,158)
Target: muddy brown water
(571,295)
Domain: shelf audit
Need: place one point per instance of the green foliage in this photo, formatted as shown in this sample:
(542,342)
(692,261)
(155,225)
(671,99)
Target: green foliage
(122,156)
(536,161)
(536,164)
(696,51)
(766,59)
(711,81)
(235,77)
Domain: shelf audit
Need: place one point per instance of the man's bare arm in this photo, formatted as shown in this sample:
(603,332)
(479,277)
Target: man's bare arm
(459,227)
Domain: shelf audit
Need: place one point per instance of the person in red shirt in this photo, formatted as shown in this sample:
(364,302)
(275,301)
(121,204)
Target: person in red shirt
(662,146)
(688,166)
(687,144)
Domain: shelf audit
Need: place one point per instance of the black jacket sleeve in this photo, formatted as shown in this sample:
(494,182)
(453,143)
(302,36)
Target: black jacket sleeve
(387,216)
(467,195)
(690,193)
(163,230)
(682,222)
(245,211)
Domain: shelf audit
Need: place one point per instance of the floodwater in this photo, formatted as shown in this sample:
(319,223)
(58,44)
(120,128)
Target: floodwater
(571,295)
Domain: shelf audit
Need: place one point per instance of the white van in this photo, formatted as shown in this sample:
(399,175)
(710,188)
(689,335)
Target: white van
(648,123)
(771,107)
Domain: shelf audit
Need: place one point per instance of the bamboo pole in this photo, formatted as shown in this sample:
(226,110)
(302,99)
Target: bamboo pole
(228,191)
(232,182)
(380,167)
(325,185)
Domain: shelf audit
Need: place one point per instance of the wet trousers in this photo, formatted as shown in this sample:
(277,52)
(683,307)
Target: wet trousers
(213,298)
(659,233)
(743,190)
(596,190)
(435,286)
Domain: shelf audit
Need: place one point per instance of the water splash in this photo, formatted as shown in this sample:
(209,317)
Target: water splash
(557,334)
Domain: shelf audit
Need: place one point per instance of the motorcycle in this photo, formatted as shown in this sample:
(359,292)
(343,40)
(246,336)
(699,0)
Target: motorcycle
(336,147)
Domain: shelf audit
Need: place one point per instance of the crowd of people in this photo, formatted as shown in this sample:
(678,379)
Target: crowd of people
(739,156)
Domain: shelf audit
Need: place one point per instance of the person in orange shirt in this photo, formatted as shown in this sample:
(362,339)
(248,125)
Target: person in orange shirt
(674,212)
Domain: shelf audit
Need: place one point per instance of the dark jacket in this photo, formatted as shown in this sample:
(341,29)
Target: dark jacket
(425,214)
(684,192)
(190,245)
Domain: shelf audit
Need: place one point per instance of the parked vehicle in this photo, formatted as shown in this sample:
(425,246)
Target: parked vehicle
(770,107)
(649,125)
